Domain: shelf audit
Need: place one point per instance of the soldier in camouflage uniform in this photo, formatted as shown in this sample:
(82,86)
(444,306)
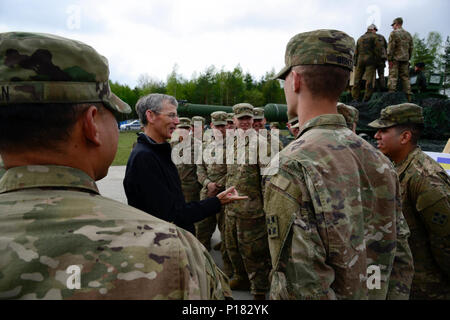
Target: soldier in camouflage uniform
(366,63)
(55,227)
(333,210)
(259,122)
(245,228)
(351,115)
(230,121)
(399,52)
(381,57)
(425,198)
(212,175)
(188,171)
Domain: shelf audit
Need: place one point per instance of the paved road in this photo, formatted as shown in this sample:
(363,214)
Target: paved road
(111,187)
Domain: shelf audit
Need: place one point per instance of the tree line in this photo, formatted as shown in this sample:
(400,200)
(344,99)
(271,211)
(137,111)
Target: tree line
(220,87)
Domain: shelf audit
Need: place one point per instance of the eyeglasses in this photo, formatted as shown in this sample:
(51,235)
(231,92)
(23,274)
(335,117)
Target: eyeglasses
(171,115)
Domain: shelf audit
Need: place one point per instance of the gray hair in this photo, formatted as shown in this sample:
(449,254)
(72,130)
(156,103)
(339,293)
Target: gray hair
(153,102)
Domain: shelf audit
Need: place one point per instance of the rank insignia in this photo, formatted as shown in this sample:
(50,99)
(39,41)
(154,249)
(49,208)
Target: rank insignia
(439,218)
(272,226)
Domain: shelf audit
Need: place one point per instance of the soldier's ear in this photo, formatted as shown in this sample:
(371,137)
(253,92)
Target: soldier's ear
(405,137)
(297,81)
(90,125)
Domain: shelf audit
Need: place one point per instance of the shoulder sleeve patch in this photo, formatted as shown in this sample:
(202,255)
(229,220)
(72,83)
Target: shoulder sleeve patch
(280,182)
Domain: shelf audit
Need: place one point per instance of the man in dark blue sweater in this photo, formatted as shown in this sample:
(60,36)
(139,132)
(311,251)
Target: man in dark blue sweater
(151,179)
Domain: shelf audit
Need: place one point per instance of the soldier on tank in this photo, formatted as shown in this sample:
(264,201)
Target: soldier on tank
(335,200)
(212,176)
(425,198)
(381,57)
(366,63)
(245,227)
(399,52)
(53,221)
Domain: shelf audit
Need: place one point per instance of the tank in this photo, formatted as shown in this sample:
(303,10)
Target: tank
(272,112)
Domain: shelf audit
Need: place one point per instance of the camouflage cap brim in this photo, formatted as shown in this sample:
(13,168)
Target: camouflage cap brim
(183,126)
(219,123)
(258,117)
(282,74)
(381,124)
(244,114)
(61,92)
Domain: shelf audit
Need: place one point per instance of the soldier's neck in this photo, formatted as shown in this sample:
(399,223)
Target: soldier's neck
(309,108)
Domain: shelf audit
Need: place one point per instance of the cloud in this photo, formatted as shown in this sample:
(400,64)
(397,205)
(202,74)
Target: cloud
(150,37)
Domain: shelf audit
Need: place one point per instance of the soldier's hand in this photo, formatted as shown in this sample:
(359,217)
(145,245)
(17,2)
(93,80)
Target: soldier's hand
(212,189)
(230,195)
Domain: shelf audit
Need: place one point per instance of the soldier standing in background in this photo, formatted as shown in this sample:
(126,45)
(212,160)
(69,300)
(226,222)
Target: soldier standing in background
(230,121)
(259,122)
(381,57)
(425,198)
(212,176)
(399,51)
(421,80)
(187,171)
(335,201)
(52,215)
(245,234)
(366,63)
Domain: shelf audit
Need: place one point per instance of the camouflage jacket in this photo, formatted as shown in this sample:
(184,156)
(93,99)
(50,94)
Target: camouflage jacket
(247,177)
(426,206)
(365,49)
(52,217)
(188,174)
(380,49)
(400,46)
(212,171)
(334,213)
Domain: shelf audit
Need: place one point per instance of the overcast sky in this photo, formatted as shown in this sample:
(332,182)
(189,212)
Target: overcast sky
(150,37)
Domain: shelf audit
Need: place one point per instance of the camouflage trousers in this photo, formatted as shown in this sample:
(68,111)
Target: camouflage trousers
(380,72)
(190,192)
(400,69)
(204,231)
(368,71)
(248,249)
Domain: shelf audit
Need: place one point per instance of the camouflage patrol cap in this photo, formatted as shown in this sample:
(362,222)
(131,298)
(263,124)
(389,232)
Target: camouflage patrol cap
(258,113)
(45,68)
(275,125)
(397,20)
(350,113)
(230,116)
(398,114)
(198,119)
(242,110)
(219,118)
(372,27)
(330,47)
(184,123)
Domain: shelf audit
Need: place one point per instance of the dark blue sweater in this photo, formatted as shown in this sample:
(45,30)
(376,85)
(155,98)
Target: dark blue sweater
(152,184)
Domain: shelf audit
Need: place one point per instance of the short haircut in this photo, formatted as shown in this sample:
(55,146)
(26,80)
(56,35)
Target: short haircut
(153,102)
(37,126)
(416,131)
(324,81)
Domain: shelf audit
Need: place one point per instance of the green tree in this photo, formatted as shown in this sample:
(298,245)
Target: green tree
(446,64)
(427,51)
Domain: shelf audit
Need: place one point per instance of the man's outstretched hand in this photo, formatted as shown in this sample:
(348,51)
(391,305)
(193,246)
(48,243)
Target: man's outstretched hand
(230,195)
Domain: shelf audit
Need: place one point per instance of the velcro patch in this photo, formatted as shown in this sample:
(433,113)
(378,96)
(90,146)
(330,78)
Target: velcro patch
(272,226)
(281,182)
(439,218)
